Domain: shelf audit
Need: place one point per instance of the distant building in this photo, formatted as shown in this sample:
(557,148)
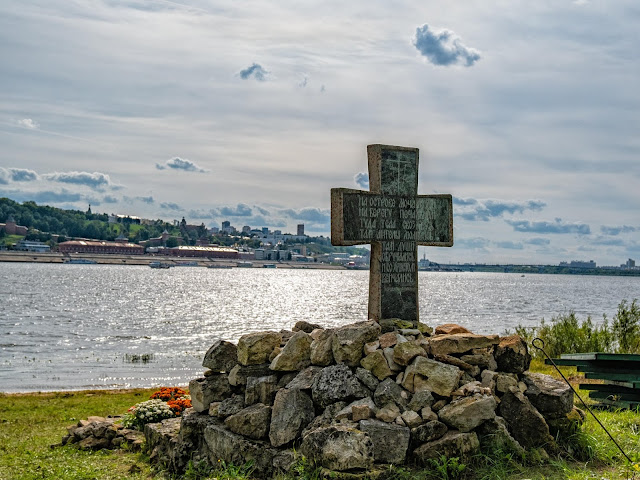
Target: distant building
(265,230)
(579,264)
(300,229)
(246,229)
(630,263)
(32,246)
(98,246)
(11,228)
(199,251)
(227,227)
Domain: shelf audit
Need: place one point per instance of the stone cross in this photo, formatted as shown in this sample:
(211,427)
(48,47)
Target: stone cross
(394,219)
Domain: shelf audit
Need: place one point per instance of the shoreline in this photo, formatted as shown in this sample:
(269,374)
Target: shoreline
(11,256)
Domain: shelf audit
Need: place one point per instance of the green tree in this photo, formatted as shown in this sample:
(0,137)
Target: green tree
(626,327)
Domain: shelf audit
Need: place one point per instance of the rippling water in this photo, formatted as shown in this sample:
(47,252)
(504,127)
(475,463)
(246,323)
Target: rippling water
(109,326)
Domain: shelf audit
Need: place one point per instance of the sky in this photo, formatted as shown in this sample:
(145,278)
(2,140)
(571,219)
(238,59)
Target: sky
(528,113)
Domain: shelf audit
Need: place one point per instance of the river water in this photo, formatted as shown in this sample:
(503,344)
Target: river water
(108,326)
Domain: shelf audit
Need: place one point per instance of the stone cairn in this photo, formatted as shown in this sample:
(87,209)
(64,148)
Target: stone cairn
(363,394)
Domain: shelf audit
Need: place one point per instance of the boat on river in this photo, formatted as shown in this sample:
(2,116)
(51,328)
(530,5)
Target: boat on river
(82,261)
(160,265)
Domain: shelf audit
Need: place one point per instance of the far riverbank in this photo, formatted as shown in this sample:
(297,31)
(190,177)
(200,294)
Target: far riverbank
(116,259)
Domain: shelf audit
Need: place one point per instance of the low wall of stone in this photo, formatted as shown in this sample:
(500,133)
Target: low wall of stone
(360,395)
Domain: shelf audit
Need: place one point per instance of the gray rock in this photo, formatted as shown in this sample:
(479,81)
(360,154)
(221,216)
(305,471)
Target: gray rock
(295,355)
(411,419)
(421,399)
(326,418)
(306,327)
(367,378)
(205,390)
(496,433)
(427,432)
(348,341)
(347,412)
(551,397)
(452,444)
(388,355)
(338,447)
(255,348)
(230,406)
(504,381)
(388,413)
(336,383)
(304,379)
(466,413)
(261,389)
(525,423)
(512,355)
(390,442)
(389,391)
(485,361)
(425,373)
(221,357)
(231,448)
(239,374)
(292,412)
(252,422)
(321,348)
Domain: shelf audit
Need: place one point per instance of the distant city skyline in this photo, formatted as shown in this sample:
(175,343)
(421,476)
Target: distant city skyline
(251,112)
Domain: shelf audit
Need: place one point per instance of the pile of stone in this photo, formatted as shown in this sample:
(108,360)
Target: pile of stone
(96,433)
(363,394)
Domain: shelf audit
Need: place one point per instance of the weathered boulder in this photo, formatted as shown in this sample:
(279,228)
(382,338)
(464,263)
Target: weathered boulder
(348,341)
(551,397)
(420,400)
(466,413)
(261,389)
(367,378)
(306,327)
(389,391)
(411,419)
(252,422)
(460,343)
(231,448)
(338,447)
(388,355)
(304,379)
(239,374)
(504,381)
(567,424)
(377,365)
(485,361)
(292,412)
(425,373)
(255,348)
(449,329)
(388,339)
(221,357)
(388,413)
(161,439)
(347,412)
(512,354)
(526,424)
(213,388)
(326,418)
(452,444)
(495,432)
(336,383)
(427,432)
(390,442)
(403,353)
(321,350)
(472,370)
(295,355)
(230,406)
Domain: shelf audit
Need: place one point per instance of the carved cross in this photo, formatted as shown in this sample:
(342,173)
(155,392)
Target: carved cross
(394,219)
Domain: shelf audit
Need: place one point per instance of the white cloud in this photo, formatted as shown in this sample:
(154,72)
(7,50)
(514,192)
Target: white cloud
(443,47)
(28,123)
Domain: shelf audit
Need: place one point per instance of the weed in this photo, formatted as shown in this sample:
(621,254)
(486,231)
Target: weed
(447,468)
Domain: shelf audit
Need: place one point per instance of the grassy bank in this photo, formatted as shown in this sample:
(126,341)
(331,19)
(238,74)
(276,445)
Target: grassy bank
(31,423)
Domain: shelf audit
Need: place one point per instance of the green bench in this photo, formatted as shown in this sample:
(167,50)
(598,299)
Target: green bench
(620,372)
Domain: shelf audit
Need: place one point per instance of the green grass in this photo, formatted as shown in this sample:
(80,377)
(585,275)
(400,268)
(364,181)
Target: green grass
(31,423)
(10,239)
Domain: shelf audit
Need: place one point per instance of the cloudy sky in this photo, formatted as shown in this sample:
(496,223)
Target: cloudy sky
(528,113)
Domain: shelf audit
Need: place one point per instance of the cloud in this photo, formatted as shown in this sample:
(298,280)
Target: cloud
(464,201)
(5,176)
(178,163)
(483,210)
(147,200)
(28,124)
(303,82)
(316,216)
(109,199)
(48,196)
(262,211)
(256,71)
(170,206)
(23,175)
(510,245)
(556,227)
(95,180)
(538,241)
(200,214)
(241,210)
(443,47)
(362,180)
(618,230)
(474,243)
